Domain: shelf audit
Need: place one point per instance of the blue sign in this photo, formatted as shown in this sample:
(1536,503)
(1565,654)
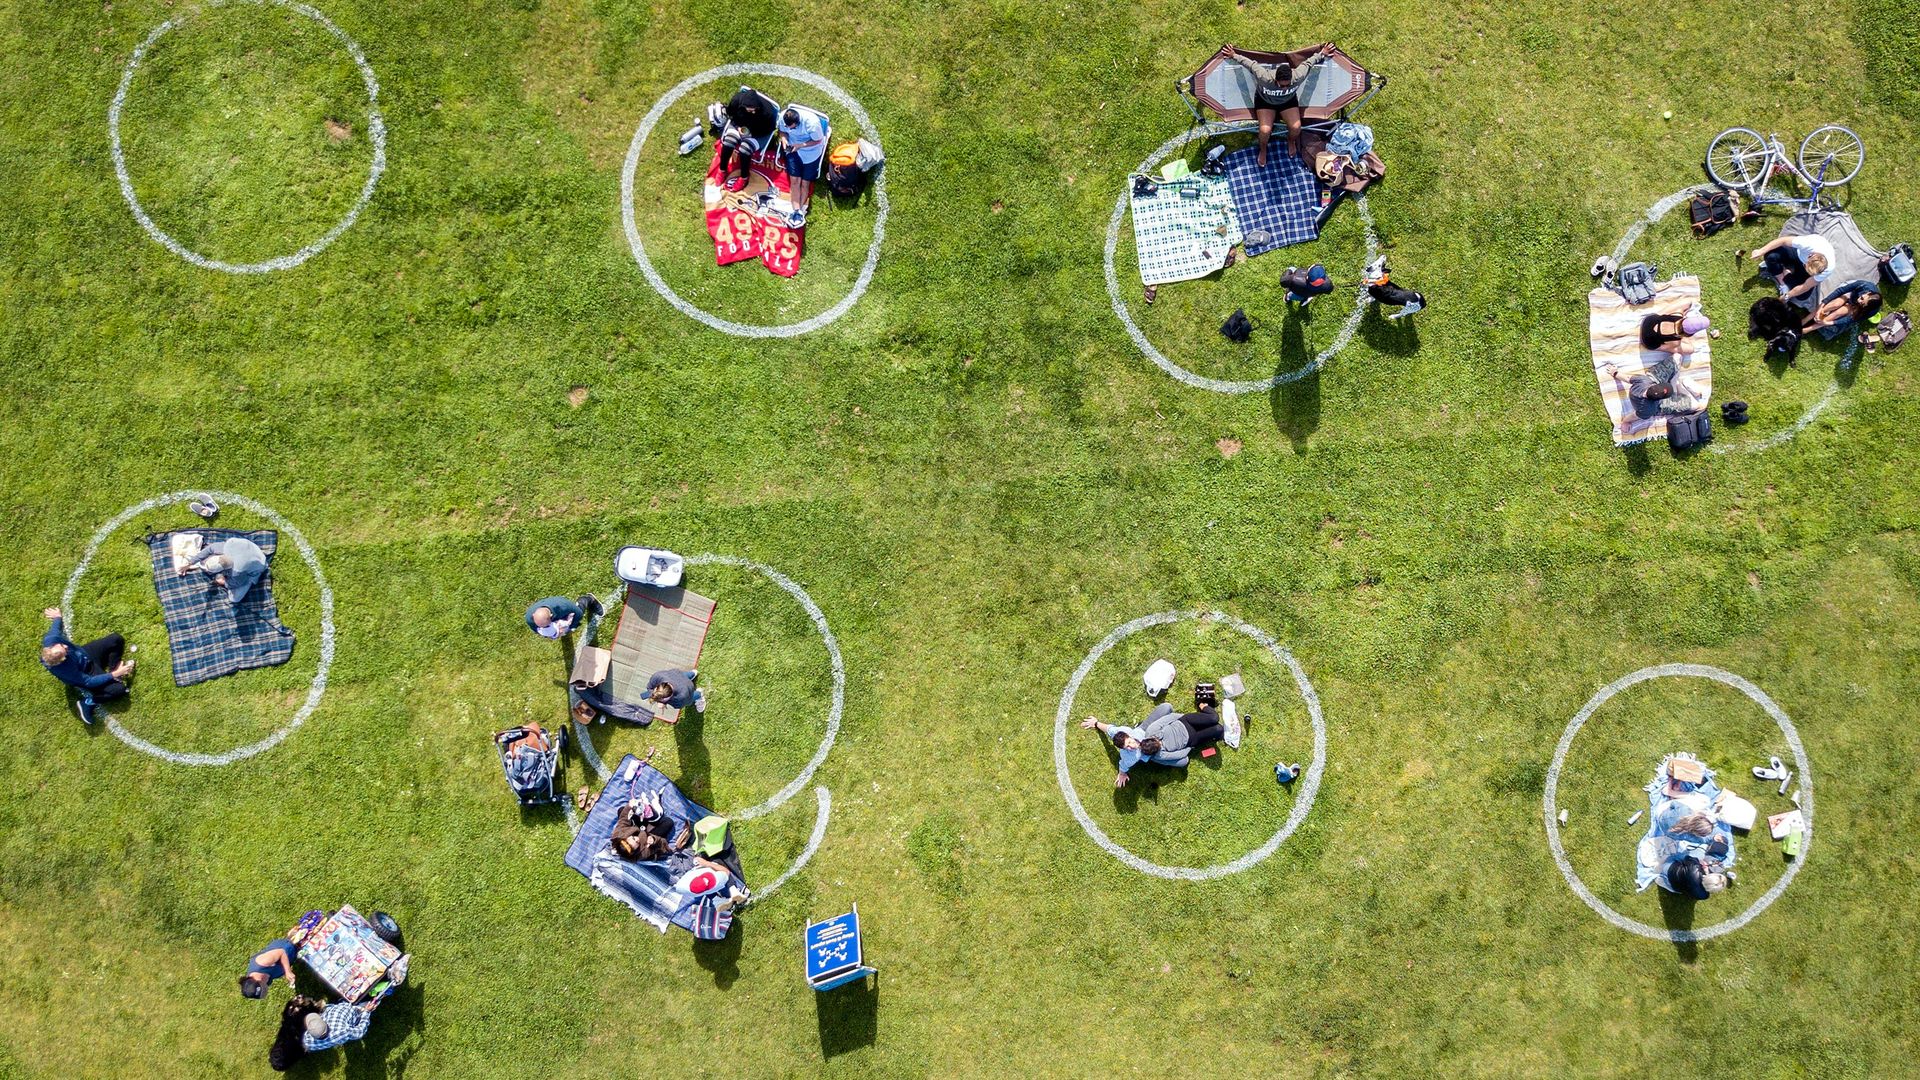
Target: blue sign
(833,951)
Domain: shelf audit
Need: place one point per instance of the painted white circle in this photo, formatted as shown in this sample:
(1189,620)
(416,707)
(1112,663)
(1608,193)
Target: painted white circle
(728,326)
(314,689)
(376,131)
(836,706)
(1303,801)
(1653,214)
(1224,386)
(1551,812)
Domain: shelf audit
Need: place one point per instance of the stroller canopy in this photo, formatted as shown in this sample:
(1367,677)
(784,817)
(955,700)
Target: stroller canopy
(1339,83)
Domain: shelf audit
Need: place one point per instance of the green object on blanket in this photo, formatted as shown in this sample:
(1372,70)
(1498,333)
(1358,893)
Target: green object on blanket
(1175,169)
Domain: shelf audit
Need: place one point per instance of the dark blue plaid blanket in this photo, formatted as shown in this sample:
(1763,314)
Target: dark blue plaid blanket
(1281,200)
(646,887)
(209,635)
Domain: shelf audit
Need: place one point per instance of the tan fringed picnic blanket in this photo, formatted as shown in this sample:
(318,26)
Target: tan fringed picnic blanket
(1613,329)
(659,629)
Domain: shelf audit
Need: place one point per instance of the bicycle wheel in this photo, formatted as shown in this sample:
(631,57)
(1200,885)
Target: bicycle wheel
(1832,155)
(1738,158)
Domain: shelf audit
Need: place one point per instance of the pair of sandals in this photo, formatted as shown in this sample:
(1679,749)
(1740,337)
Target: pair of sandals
(1774,769)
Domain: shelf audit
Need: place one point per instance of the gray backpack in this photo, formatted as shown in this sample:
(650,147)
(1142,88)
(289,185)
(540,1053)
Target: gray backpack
(1634,282)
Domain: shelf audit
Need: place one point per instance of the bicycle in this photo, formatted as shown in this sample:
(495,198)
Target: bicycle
(1741,159)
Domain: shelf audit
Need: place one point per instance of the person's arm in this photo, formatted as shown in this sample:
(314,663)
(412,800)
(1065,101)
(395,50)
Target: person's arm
(1100,726)
(1256,69)
(285,961)
(1801,289)
(1776,244)
(56,630)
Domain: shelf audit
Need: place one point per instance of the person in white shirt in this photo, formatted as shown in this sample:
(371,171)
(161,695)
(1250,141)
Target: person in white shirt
(803,133)
(1797,263)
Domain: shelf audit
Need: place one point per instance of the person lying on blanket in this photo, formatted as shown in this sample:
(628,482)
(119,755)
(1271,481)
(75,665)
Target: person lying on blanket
(1165,738)
(1855,302)
(96,669)
(1672,331)
(750,123)
(1276,95)
(1660,390)
(803,139)
(642,832)
(1796,263)
(675,689)
(235,562)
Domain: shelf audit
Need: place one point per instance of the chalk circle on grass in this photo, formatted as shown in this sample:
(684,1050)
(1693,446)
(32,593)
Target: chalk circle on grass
(836,705)
(376,132)
(1303,798)
(1550,810)
(1653,214)
(314,689)
(1147,349)
(685,306)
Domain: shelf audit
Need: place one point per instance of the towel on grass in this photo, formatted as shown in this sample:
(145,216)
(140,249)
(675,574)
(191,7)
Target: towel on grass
(1659,847)
(1275,205)
(1854,258)
(752,223)
(645,887)
(1613,330)
(1179,237)
(208,635)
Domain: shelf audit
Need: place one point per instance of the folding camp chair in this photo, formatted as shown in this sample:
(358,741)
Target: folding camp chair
(1334,91)
(534,765)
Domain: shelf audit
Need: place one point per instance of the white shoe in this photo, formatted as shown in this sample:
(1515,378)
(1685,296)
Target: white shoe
(700,701)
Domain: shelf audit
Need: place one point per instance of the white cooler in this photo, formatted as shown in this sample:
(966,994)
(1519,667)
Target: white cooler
(649,566)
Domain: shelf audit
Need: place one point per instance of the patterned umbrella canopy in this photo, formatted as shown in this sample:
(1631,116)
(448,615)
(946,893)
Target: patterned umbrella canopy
(1227,88)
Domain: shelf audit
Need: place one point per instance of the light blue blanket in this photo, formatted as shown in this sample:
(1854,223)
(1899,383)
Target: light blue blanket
(1659,847)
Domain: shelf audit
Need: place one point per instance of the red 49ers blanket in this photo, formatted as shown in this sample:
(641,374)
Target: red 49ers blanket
(752,223)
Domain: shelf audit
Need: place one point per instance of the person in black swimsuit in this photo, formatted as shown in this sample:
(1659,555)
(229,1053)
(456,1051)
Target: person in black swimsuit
(1276,95)
(1670,331)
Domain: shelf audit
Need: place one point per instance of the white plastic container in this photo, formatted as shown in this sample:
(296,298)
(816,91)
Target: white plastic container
(649,566)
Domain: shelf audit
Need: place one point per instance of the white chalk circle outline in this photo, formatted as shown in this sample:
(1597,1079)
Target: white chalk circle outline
(1303,802)
(659,284)
(834,710)
(1224,386)
(376,130)
(314,689)
(1653,214)
(1550,812)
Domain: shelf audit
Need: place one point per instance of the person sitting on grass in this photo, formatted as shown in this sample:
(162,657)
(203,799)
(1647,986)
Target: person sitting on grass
(1796,263)
(1161,739)
(750,124)
(556,616)
(675,689)
(804,138)
(96,669)
(271,963)
(336,1025)
(236,562)
(1855,302)
(1276,95)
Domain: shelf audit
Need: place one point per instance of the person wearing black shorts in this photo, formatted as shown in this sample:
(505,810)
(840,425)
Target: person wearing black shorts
(750,122)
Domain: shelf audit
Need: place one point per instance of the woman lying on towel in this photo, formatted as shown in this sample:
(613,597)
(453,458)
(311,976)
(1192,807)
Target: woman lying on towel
(1673,331)
(235,562)
(1661,390)
(1688,848)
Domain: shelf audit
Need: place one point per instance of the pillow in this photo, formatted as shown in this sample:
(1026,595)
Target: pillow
(183,546)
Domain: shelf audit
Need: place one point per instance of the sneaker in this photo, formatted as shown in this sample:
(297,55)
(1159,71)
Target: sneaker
(84,706)
(796,220)
(735,183)
(700,701)
(593,605)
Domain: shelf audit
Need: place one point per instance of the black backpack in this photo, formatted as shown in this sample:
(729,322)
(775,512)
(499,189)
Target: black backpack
(1689,430)
(846,181)
(1238,327)
(1712,211)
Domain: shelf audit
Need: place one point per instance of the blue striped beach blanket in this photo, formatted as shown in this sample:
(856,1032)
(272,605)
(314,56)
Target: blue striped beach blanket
(645,887)
(1276,205)
(208,635)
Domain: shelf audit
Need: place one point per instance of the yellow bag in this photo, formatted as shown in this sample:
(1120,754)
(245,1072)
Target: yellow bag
(847,153)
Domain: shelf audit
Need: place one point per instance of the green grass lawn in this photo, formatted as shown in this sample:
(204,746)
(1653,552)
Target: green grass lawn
(473,398)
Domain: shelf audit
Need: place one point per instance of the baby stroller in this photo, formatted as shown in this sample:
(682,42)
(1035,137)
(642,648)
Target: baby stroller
(533,763)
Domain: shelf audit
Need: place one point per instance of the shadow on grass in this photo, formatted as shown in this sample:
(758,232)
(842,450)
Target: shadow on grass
(396,1032)
(696,763)
(849,1016)
(1394,337)
(1677,912)
(722,958)
(1296,404)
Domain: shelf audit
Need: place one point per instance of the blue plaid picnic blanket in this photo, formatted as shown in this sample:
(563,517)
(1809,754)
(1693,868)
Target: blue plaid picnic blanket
(646,887)
(1281,200)
(208,635)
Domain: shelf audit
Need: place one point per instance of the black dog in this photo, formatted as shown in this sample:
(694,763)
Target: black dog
(1383,291)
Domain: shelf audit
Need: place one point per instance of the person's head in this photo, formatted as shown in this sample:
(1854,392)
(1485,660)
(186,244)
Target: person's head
(1659,392)
(317,1025)
(1865,304)
(1149,747)
(1125,741)
(54,654)
(216,564)
(254,985)
(791,117)
(1694,323)
(660,693)
(543,616)
(1695,824)
(1713,881)
(1815,263)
